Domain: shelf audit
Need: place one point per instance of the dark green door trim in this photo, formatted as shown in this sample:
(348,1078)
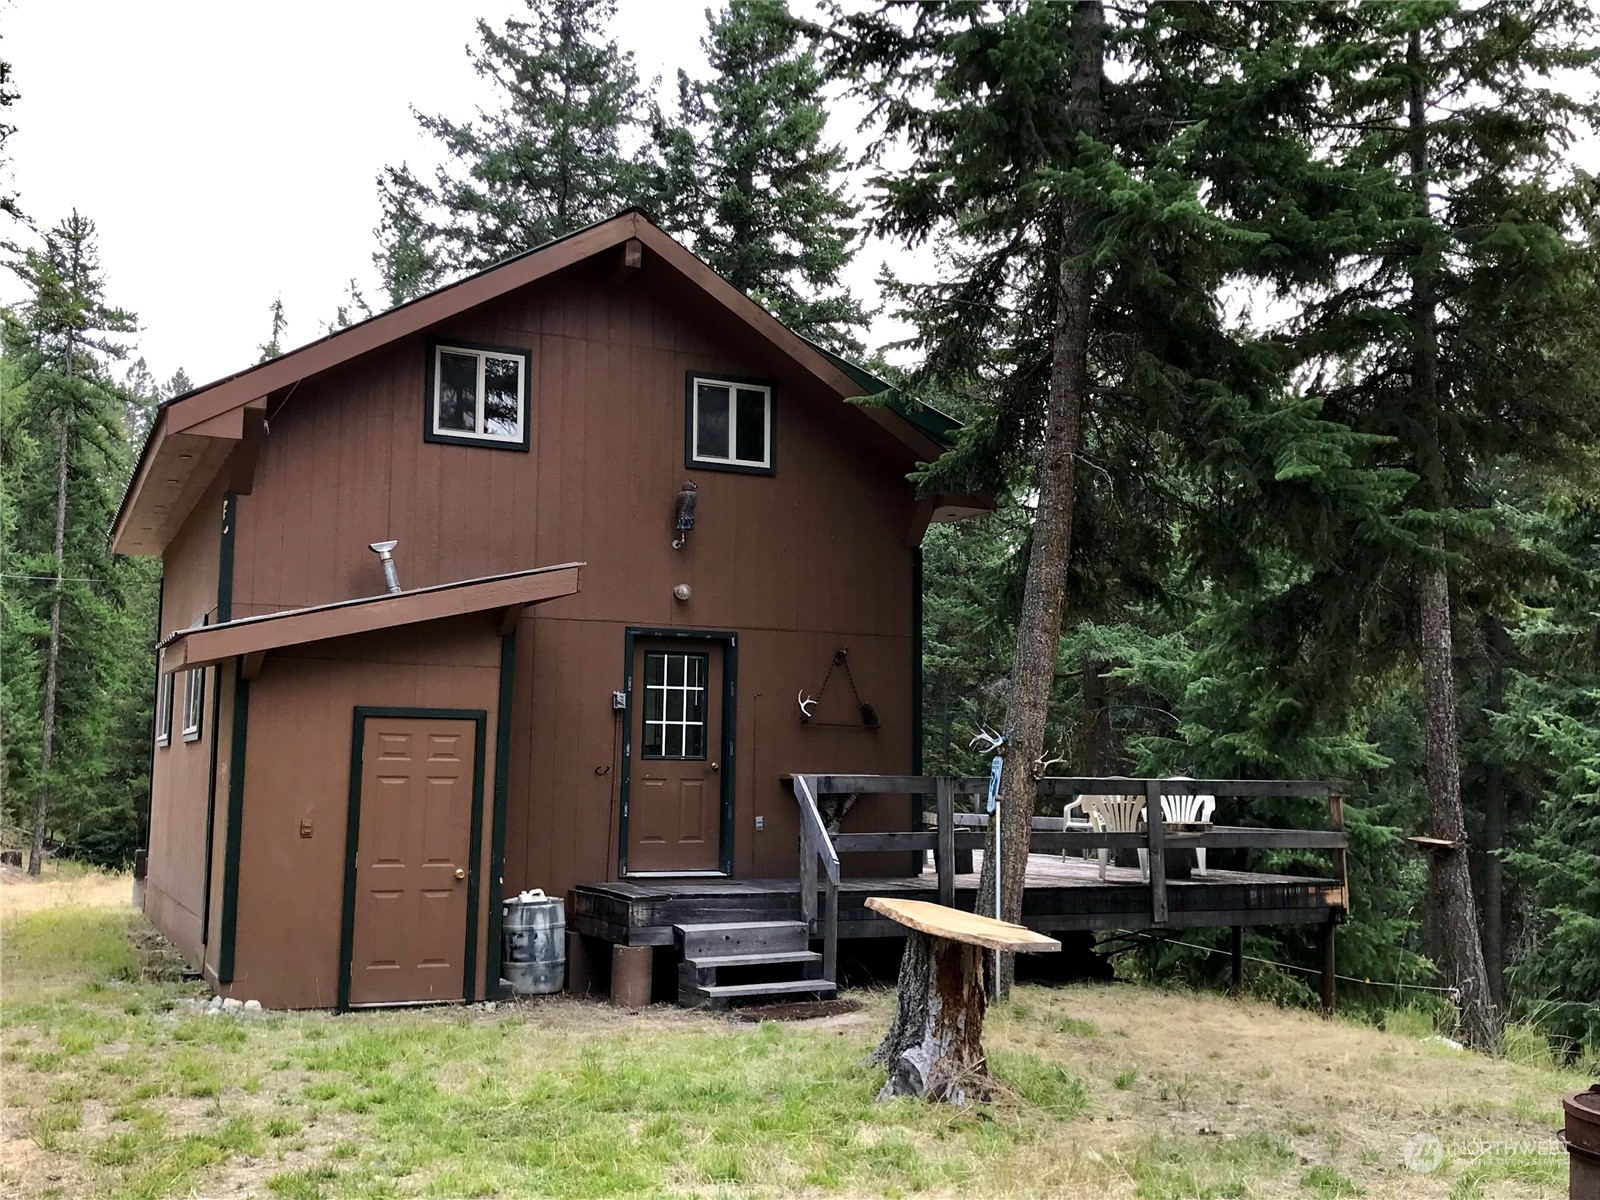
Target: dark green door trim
(347,923)
(231,847)
(502,782)
(730,680)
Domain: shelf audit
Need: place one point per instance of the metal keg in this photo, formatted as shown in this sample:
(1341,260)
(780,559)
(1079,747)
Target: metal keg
(533,943)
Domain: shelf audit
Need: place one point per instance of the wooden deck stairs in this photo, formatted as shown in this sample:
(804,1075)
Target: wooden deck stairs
(746,962)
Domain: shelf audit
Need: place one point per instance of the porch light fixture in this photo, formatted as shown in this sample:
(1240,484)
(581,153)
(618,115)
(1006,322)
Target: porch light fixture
(683,513)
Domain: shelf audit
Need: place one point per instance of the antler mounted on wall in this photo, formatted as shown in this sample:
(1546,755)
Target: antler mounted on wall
(869,715)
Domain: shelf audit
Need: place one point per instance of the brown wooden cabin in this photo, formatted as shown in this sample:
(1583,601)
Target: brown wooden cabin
(569,689)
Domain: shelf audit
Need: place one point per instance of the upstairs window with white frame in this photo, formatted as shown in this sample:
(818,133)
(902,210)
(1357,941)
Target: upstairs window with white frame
(478,395)
(164,709)
(729,425)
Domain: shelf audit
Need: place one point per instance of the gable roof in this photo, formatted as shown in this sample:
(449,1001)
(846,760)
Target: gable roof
(197,434)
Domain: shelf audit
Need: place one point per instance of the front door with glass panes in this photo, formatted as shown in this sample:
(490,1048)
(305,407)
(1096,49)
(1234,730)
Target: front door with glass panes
(675,781)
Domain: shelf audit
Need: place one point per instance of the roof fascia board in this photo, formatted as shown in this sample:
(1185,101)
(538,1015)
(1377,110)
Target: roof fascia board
(397,323)
(747,310)
(256,635)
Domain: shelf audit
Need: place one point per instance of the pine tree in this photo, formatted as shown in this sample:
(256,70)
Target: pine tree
(748,176)
(1452,317)
(1088,231)
(549,161)
(74,419)
(273,346)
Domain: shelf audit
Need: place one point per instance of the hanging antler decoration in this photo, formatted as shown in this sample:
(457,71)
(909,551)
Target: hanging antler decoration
(841,658)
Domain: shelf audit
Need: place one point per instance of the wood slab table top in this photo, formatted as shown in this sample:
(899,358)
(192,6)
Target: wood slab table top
(939,921)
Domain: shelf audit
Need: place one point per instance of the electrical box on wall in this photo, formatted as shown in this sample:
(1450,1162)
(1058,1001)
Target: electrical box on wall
(760,821)
(619,701)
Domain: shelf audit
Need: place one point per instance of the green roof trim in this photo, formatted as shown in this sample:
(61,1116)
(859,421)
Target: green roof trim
(921,415)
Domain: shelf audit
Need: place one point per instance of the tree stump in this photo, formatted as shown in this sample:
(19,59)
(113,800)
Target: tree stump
(934,1047)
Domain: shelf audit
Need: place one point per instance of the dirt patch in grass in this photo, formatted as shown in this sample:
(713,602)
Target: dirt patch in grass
(805,1011)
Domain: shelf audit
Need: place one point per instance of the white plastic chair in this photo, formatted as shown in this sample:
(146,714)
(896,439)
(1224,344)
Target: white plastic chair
(1117,814)
(1068,823)
(1194,810)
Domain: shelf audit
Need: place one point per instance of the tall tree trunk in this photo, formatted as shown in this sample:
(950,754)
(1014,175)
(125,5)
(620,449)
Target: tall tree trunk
(1449,881)
(1033,666)
(1494,823)
(1096,755)
(52,670)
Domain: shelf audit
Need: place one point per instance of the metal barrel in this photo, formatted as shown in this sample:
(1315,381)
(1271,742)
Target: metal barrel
(533,944)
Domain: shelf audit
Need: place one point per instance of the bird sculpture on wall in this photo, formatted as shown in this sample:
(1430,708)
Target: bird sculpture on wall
(683,512)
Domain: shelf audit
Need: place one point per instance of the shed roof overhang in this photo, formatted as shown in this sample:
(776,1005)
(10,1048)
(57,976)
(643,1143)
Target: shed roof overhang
(251,637)
(221,425)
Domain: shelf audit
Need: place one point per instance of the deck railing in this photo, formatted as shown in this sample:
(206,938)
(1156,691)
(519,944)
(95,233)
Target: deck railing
(966,831)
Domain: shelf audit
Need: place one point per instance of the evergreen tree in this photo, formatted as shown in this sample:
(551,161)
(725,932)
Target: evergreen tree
(748,175)
(1087,232)
(1448,326)
(550,160)
(273,346)
(67,495)
(8,97)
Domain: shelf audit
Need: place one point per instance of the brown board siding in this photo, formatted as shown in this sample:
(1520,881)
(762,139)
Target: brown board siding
(798,564)
(297,769)
(180,771)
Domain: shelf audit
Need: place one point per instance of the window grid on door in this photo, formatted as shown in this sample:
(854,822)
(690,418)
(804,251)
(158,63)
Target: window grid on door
(675,705)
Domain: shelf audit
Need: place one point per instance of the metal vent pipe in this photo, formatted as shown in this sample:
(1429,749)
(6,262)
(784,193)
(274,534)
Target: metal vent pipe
(385,553)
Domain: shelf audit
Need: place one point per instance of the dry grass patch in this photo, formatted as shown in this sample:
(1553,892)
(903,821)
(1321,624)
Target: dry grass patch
(118,1086)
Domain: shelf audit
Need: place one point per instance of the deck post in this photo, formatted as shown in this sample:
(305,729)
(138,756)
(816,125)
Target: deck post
(1330,982)
(1156,832)
(1236,984)
(808,877)
(945,856)
(830,935)
(1340,857)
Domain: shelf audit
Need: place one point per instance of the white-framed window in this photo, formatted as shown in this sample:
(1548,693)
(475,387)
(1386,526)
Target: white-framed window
(730,424)
(164,709)
(194,702)
(478,395)
(675,704)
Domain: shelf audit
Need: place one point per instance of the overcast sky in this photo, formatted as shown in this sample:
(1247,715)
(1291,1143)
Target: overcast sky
(228,152)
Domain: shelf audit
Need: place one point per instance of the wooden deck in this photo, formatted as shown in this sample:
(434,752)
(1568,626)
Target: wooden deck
(1062,894)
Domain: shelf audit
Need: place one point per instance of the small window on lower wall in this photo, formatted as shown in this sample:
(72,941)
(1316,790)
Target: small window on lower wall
(164,710)
(729,424)
(478,395)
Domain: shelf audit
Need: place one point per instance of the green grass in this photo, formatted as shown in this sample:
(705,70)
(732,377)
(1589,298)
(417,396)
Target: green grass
(131,1092)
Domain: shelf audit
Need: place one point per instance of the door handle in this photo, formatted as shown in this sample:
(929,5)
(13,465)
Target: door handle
(713,766)
(461,873)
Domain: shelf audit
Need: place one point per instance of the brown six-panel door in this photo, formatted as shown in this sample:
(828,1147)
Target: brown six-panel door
(412,859)
(675,781)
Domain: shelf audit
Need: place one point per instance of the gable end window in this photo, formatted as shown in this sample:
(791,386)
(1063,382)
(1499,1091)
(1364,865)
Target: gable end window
(729,424)
(164,710)
(477,395)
